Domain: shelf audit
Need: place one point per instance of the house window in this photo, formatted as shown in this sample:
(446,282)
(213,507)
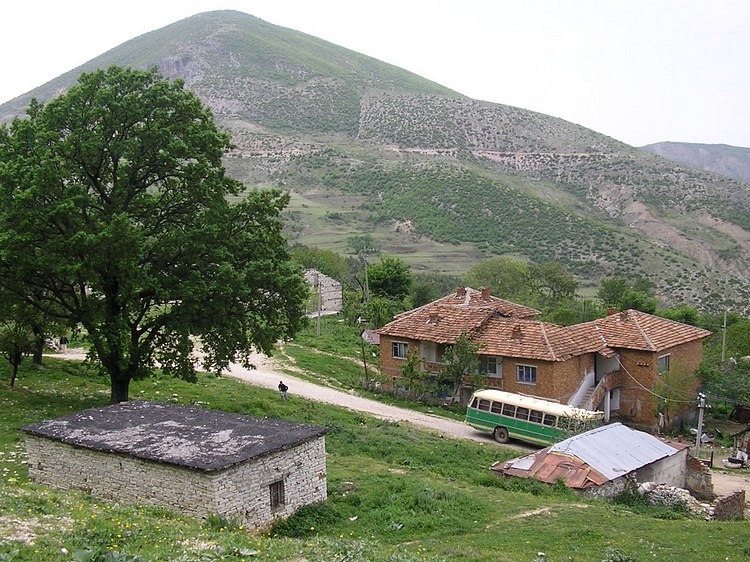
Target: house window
(490,366)
(277,494)
(400,350)
(663,364)
(526,374)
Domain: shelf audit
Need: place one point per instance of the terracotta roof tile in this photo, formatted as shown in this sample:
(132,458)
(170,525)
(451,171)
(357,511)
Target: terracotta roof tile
(507,329)
(526,338)
(633,329)
(444,320)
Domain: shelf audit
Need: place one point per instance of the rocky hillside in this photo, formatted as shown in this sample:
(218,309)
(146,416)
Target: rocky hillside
(440,179)
(730,161)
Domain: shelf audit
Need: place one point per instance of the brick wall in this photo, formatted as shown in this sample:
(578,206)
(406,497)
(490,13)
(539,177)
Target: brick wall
(241,491)
(642,370)
(391,366)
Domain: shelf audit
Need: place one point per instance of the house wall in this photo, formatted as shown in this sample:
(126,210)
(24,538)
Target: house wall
(389,365)
(241,491)
(671,471)
(642,370)
(554,380)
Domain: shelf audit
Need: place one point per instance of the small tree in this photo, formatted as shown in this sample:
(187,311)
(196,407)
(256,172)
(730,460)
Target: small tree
(675,389)
(459,359)
(16,338)
(391,278)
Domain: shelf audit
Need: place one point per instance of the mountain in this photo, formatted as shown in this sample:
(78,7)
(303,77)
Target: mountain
(370,151)
(730,161)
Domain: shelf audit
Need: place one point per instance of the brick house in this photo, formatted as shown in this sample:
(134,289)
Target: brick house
(613,363)
(193,460)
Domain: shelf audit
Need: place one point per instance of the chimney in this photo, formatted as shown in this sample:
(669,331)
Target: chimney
(461,292)
(485,293)
(516,334)
(611,310)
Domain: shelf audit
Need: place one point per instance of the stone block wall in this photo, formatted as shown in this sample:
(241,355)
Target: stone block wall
(728,508)
(241,491)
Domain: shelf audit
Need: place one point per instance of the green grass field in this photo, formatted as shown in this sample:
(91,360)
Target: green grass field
(395,494)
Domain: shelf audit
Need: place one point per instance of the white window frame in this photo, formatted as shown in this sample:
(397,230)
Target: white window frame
(664,361)
(396,347)
(486,361)
(528,372)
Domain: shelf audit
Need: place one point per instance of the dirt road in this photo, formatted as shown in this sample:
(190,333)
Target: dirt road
(267,376)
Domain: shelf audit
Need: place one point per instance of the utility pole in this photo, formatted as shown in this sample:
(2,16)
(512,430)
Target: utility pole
(367,284)
(701,407)
(316,281)
(724,339)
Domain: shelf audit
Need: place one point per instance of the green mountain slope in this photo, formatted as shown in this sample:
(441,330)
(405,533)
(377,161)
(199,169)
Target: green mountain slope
(438,178)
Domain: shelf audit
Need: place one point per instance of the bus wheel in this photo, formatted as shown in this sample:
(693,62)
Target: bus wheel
(501,435)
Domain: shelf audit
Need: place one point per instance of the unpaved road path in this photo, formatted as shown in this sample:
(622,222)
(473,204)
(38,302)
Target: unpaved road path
(267,375)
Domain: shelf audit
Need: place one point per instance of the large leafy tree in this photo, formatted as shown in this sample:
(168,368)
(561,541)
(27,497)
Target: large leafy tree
(115,212)
(505,277)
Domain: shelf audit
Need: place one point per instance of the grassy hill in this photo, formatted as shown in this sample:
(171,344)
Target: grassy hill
(395,494)
(437,178)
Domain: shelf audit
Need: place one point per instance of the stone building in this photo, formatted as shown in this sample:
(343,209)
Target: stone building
(331,293)
(193,460)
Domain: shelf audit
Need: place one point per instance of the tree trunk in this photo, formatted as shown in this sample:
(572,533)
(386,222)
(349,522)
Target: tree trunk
(14,375)
(120,388)
(38,351)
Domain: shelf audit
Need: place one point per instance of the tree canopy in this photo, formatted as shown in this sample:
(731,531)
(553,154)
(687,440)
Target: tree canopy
(116,217)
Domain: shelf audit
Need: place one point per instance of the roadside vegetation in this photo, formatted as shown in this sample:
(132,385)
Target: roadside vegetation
(395,493)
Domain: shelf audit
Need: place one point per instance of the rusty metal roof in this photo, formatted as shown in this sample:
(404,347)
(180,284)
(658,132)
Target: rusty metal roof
(186,436)
(591,458)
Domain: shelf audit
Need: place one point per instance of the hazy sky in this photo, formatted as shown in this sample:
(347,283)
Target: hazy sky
(641,71)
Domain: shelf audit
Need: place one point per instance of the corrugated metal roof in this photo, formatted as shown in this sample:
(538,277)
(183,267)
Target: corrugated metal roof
(615,449)
(591,458)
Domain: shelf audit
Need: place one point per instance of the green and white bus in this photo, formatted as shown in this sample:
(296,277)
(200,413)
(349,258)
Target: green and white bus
(508,415)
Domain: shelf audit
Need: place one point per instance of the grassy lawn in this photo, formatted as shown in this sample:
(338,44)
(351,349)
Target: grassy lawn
(395,494)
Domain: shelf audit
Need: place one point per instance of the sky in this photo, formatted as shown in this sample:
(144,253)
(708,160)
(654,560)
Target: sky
(640,71)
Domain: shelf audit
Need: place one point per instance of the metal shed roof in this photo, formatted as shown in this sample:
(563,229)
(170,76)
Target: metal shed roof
(614,449)
(592,458)
(185,436)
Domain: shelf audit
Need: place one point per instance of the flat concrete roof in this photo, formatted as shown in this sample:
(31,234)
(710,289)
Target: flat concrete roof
(191,437)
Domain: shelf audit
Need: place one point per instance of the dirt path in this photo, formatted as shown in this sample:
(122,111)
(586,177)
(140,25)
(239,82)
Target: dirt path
(267,375)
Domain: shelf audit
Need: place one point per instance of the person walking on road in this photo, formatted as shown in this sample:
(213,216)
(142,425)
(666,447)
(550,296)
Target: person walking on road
(282,389)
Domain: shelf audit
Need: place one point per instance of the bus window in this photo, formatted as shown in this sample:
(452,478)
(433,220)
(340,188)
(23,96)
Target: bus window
(522,413)
(474,403)
(484,405)
(509,410)
(535,416)
(550,419)
(497,407)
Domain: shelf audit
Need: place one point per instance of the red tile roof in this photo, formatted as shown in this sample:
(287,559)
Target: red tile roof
(633,329)
(444,320)
(508,329)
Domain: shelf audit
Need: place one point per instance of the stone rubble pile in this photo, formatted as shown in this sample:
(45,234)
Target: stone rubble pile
(670,496)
